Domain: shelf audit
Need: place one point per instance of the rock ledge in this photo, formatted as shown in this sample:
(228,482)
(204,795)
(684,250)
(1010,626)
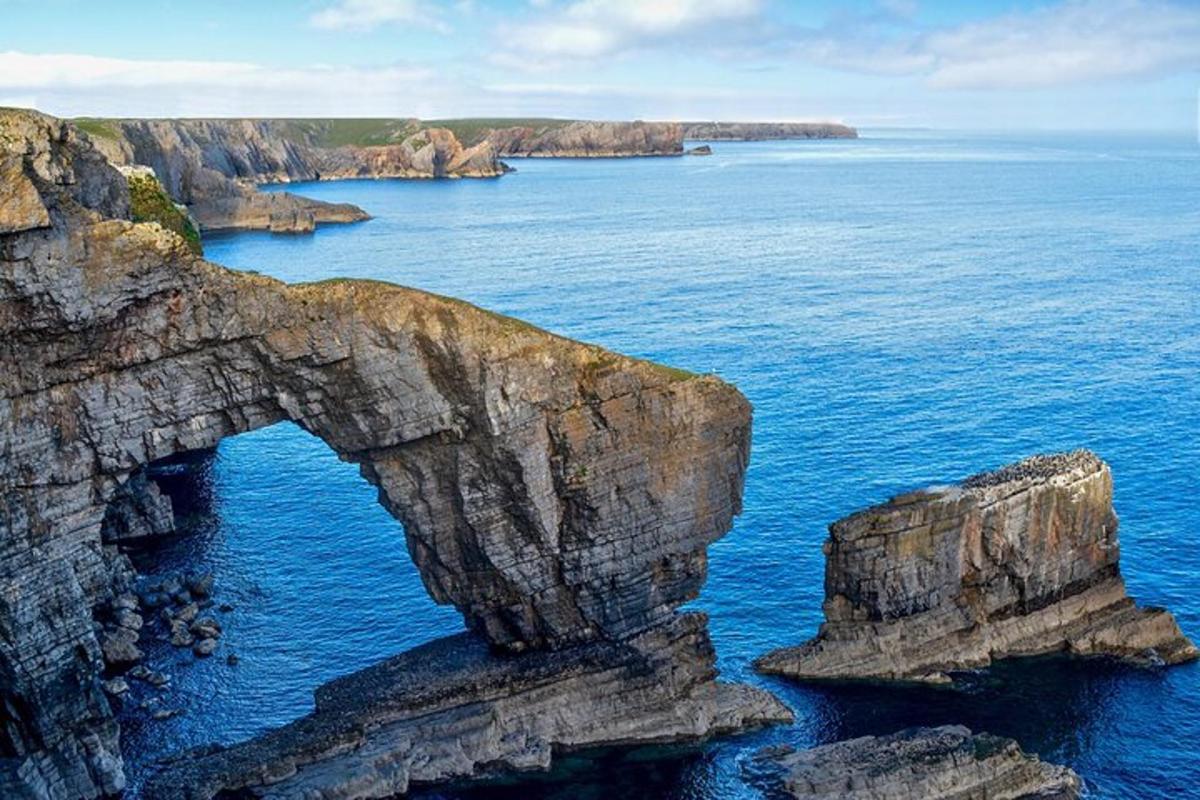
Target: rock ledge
(946,763)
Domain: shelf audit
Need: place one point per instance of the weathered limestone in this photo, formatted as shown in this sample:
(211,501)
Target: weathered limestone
(212,166)
(453,710)
(946,763)
(1022,561)
(556,493)
(762,131)
(585,139)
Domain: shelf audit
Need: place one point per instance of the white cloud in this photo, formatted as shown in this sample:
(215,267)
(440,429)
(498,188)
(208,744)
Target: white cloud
(75,84)
(587,29)
(1076,41)
(364,15)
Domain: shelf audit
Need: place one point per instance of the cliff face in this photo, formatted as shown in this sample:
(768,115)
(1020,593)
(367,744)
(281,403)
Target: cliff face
(212,166)
(762,131)
(582,139)
(558,494)
(1021,561)
(946,763)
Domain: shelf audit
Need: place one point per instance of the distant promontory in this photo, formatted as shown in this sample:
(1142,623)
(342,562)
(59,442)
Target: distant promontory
(213,166)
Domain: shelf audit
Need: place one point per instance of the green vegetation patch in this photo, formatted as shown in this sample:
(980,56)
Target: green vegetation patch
(148,202)
(347,132)
(98,128)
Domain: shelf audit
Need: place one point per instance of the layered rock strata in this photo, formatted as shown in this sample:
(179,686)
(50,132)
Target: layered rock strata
(452,710)
(1022,561)
(946,763)
(763,131)
(556,493)
(214,166)
(583,139)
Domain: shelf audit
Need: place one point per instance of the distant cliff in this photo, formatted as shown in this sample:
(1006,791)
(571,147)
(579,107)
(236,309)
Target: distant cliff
(761,131)
(213,166)
(582,139)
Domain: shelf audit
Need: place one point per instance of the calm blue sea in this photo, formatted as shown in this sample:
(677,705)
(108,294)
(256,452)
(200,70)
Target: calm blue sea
(903,309)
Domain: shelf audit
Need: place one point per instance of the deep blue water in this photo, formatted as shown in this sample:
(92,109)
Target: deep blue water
(901,310)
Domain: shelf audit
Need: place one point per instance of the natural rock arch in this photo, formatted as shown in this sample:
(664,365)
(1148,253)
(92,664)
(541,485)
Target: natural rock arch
(554,492)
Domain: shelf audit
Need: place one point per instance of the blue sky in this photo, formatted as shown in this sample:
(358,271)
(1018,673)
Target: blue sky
(1095,64)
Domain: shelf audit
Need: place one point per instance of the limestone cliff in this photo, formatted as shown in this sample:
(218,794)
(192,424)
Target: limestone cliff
(213,165)
(946,763)
(559,495)
(1022,561)
(583,139)
(763,131)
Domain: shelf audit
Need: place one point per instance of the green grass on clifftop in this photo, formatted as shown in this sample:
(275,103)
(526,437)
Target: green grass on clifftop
(100,128)
(471,130)
(149,203)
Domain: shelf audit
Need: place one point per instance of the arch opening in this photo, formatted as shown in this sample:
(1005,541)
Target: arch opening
(311,581)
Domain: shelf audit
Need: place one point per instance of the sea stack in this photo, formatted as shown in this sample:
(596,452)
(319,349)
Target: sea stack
(1021,561)
(946,763)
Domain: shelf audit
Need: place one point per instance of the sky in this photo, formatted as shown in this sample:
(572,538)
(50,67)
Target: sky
(994,65)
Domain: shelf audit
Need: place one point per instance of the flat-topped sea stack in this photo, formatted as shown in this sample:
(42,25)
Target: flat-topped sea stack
(946,763)
(559,495)
(1018,562)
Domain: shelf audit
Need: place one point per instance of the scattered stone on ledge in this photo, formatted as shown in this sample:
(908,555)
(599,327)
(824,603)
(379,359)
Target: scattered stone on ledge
(1021,561)
(946,763)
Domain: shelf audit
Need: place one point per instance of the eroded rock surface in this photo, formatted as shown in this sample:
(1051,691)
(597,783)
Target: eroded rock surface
(213,166)
(1021,561)
(946,763)
(453,710)
(556,493)
(762,131)
(585,139)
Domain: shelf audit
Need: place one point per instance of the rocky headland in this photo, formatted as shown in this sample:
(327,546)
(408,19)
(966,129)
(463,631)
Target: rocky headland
(946,763)
(559,495)
(765,131)
(1022,561)
(213,166)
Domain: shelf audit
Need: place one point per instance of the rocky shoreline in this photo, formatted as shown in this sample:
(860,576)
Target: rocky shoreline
(214,166)
(561,496)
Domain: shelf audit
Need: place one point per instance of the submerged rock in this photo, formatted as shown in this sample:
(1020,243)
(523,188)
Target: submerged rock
(1022,561)
(201,585)
(557,494)
(206,628)
(204,647)
(946,763)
